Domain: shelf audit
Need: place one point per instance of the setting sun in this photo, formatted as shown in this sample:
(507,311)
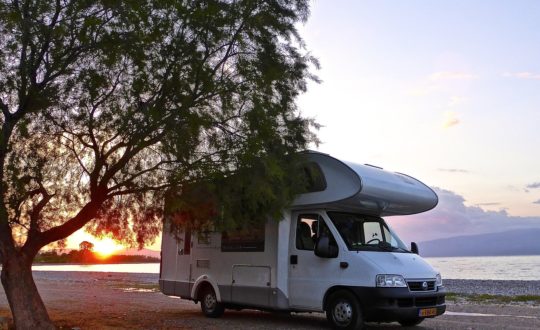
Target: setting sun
(106,247)
(103,247)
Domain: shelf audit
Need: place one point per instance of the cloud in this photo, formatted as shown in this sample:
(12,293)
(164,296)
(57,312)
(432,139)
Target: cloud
(534,185)
(453,218)
(522,75)
(450,119)
(515,188)
(488,204)
(536,202)
(453,170)
(452,75)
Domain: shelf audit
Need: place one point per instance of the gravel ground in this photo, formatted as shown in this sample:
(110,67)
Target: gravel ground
(493,287)
(93,300)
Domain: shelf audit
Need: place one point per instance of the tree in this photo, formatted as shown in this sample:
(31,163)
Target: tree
(107,104)
(86,246)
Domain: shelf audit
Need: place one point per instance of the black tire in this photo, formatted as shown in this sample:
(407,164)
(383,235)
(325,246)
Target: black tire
(209,304)
(411,322)
(343,311)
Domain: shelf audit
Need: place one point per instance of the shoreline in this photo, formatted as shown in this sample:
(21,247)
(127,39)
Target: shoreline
(493,287)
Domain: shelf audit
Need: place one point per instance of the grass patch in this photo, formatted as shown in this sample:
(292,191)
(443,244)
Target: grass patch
(490,298)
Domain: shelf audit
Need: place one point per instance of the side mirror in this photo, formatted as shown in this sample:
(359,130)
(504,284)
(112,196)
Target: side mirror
(414,248)
(323,249)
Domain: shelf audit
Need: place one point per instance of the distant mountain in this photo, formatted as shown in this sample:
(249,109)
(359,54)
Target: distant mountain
(137,252)
(514,242)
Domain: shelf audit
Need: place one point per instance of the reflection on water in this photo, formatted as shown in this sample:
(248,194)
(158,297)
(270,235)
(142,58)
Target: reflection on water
(143,290)
(152,268)
(488,268)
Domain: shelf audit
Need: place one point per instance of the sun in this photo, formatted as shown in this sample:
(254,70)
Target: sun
(106,247)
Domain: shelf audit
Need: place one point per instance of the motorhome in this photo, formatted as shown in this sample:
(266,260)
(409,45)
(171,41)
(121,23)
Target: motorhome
(332,252)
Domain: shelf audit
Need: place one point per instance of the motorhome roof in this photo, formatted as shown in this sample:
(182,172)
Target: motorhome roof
(366,189)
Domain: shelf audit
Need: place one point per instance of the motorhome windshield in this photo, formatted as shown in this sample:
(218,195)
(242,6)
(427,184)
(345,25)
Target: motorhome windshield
(366,233)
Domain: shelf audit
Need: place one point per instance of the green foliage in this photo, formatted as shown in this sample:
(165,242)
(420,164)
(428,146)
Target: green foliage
(251,195)
(108,104)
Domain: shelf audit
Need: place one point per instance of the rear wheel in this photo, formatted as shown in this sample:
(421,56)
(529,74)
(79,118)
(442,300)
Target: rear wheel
(209,304)
(343,311)
(411,322)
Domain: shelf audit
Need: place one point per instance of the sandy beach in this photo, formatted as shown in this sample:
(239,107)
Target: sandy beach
(95,300)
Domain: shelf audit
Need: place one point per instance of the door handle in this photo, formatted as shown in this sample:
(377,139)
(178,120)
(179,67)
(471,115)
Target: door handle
(294,259)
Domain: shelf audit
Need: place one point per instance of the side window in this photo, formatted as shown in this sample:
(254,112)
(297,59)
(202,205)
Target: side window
(315,180)
(372,233)
(309,227)
(184,244)
(250,239)
(306,229)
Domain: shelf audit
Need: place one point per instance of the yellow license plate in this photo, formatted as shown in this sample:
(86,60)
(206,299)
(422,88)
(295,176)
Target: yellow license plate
(425,312)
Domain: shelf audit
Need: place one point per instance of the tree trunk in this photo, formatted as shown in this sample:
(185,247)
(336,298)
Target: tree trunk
(24,300)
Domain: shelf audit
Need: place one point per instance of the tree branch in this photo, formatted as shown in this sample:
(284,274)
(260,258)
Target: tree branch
(125,182)
(87,213)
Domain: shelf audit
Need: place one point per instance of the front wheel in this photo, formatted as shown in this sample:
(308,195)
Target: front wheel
(343,311)
(209,304)
(411,322)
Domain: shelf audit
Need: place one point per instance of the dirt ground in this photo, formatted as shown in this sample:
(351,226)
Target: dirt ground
(131,301)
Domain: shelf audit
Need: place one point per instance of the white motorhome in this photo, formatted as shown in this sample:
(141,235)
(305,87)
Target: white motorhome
(332,252)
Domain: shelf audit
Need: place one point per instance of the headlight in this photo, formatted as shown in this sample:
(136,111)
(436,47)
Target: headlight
(438,280)
(390,281)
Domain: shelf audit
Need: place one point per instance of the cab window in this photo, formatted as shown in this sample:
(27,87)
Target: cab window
(306,229)
(309,227)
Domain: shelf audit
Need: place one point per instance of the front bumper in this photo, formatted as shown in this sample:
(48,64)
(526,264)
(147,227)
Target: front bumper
(395,304)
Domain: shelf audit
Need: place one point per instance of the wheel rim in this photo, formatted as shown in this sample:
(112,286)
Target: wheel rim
(210,301)
(343,312)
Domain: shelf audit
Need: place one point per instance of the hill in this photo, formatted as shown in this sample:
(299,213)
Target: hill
(90,257)
(514,242)
(137,252)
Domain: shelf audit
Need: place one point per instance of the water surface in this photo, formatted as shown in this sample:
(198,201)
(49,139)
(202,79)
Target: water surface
(152,268)
(488,268)
(472,268)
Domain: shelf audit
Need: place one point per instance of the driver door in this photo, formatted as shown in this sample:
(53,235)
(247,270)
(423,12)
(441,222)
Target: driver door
(309,276)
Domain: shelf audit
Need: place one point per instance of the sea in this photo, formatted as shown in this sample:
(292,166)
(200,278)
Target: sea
(470,268)
(523,268)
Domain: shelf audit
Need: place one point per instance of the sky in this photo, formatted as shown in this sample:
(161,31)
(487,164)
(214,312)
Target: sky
(445,91)
(448,92)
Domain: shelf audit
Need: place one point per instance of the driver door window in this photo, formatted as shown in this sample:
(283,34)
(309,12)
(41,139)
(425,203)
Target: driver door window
(306,229)
(309,227)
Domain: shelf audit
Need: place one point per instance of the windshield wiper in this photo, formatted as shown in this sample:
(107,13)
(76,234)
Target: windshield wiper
(400,249)
(385,246)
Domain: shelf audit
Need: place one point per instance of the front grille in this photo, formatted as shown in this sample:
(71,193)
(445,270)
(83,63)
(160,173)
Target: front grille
(426,301)
(405,302)
(414,302)
(420,286)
